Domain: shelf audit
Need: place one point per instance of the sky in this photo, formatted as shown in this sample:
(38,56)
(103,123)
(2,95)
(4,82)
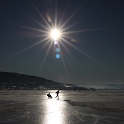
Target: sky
(91,44)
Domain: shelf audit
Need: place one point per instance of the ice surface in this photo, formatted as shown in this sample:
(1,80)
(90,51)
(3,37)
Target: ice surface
(33,107)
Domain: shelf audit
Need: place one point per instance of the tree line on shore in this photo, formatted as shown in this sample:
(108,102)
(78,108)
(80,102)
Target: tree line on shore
(15,81)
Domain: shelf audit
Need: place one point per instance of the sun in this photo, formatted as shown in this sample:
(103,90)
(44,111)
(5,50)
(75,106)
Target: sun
(55,34)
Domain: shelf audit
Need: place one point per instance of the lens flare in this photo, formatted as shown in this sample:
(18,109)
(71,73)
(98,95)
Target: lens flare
(57,50)
(55,42)
(58,56)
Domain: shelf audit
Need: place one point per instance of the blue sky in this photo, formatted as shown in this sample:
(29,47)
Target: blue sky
(92,48)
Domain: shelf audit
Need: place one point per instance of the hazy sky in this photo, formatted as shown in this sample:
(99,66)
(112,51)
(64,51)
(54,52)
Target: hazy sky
(91,46)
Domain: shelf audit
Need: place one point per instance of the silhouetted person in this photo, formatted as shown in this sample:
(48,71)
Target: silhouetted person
(57,94)
(49,95)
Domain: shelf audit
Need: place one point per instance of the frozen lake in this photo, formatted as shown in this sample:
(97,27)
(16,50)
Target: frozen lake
(33,107)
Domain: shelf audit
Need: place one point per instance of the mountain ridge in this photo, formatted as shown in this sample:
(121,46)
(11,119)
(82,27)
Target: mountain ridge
(12,79)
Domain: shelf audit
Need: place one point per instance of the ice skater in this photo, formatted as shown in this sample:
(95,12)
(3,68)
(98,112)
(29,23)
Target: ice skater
(49,95)
(57,94)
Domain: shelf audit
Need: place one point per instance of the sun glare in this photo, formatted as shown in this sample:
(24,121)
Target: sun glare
(55,34)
